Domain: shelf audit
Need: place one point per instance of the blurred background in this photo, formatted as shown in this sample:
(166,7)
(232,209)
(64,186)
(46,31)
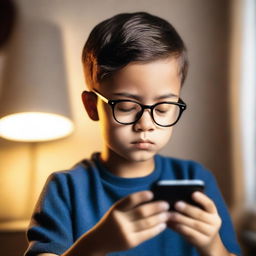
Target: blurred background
(40,70)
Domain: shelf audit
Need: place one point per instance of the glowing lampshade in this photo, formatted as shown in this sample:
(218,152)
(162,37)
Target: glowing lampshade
(35,126)
(34,104)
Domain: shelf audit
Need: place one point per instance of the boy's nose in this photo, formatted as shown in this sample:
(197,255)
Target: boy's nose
(145,123)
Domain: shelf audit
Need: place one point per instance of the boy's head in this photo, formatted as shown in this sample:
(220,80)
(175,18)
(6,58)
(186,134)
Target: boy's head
(130,37)
(135,65)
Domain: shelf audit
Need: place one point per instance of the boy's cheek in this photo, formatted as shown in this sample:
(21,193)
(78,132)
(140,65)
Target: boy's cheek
(164,136)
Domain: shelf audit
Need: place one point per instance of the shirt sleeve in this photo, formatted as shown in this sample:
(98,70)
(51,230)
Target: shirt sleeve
(50,229)
(227,232)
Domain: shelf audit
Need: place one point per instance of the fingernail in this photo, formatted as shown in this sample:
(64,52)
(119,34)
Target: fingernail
(165,206)
(149,195)
(180,205)
(196,194)
(162,226)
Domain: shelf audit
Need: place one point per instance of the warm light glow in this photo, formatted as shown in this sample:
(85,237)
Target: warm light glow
(35,126)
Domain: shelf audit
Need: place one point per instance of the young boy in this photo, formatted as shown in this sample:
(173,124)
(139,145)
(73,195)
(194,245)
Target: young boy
(135,65)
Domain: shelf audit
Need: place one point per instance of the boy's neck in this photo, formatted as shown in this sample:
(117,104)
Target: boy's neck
(125,168)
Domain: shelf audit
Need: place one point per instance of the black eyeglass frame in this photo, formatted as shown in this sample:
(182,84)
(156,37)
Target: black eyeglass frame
(181,104)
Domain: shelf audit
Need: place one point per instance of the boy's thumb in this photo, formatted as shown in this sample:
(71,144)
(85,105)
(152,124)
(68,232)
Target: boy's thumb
(129,202)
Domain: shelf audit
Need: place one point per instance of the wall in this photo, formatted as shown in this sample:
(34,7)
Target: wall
(201,135)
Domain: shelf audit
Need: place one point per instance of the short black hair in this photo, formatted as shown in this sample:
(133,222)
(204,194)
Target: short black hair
(130,37)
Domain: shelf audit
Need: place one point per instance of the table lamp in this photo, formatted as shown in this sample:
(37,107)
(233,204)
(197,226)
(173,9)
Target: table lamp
(34,104)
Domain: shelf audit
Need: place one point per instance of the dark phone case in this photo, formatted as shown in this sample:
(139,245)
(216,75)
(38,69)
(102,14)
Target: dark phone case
(174,193)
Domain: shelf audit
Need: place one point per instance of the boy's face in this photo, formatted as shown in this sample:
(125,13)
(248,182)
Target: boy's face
(147,84)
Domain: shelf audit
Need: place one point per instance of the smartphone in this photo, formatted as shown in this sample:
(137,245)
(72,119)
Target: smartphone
(177,190)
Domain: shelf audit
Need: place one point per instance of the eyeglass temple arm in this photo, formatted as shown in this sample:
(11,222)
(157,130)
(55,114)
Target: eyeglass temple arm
(100,96)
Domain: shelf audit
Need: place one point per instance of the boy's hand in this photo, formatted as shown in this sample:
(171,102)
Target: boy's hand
(200,227)
(130,222)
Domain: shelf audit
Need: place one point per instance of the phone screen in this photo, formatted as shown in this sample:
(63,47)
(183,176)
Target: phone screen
(177,190)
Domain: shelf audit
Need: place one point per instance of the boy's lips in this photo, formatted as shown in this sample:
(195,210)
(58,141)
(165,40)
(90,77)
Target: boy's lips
(143,144)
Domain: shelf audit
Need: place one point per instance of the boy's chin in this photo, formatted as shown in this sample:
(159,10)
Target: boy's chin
(141,156)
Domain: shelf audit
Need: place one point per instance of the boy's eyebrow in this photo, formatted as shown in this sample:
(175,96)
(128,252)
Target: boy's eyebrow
(169,95)
(128,95)
(136,97)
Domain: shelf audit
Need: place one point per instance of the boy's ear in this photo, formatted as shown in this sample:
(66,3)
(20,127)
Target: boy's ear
(90,103)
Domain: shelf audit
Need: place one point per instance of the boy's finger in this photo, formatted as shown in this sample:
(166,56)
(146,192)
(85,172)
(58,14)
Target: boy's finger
(134,200)
(192,235)
(205,201)
(151,221)
(148,209)
(150,232)
(196,213)
(181,219)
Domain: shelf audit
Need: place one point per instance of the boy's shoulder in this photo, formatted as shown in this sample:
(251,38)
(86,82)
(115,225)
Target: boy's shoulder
(178,161)
(79,172)
(182,162)
(184,168)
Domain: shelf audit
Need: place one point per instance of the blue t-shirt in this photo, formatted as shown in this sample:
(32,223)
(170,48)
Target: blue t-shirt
(73,201)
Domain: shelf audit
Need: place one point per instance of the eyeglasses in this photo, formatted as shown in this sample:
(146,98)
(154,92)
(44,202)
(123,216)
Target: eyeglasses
(127,112)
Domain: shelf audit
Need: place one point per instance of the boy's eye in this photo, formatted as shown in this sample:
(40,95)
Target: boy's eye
(127,107)
(163,108)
